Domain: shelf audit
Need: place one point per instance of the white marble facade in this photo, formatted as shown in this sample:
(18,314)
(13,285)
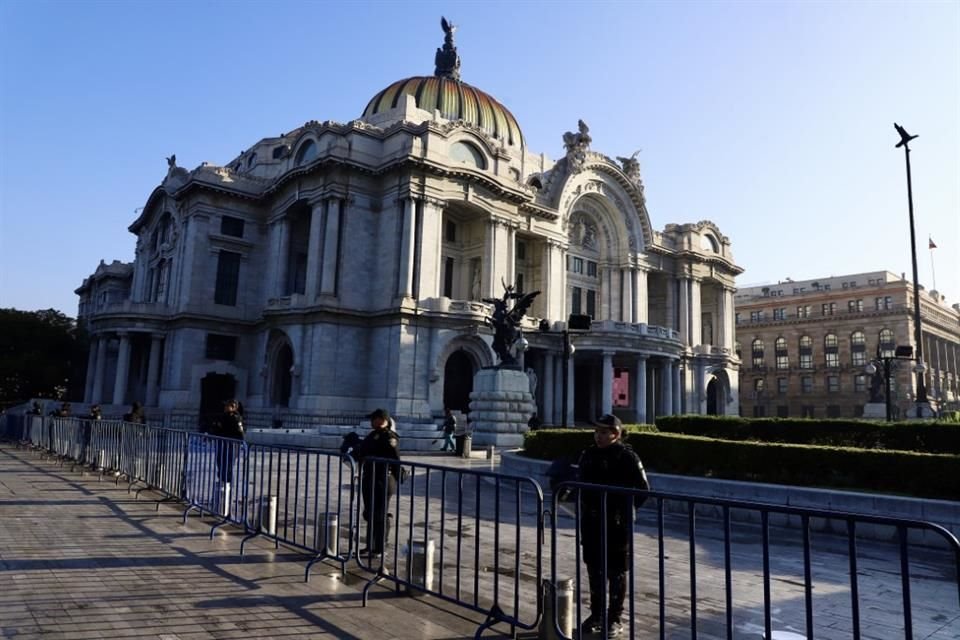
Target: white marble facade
(342,266)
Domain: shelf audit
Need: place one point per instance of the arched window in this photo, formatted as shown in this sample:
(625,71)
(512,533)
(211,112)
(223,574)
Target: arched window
(467,154)
(887,345)
(831,351)
(780,349)
(252,160)
(858,349)
(307,152)
(709,243)
(756,348)
(806,352)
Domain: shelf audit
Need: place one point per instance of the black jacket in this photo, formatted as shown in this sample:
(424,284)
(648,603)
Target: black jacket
(617,465)
(229,425)
(379,443)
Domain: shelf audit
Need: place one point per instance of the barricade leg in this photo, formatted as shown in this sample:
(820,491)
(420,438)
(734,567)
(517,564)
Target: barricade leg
(266,520)
(327,540)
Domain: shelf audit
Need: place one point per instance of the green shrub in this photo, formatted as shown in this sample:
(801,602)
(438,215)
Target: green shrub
(905,472)
(930,437)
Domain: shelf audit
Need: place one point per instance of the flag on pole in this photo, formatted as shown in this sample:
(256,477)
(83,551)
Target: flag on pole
(932,244)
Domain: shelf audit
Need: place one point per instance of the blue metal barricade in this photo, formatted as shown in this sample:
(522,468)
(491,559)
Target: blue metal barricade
(302,498)
(214,478)
(437,542)
(661,545)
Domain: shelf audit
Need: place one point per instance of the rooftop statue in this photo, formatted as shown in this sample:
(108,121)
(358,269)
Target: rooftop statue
(506,322)
(577,145)
(447,60)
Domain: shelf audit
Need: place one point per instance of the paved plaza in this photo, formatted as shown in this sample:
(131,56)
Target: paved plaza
(82,558)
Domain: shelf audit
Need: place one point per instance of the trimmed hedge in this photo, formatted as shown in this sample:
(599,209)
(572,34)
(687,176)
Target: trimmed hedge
(928,437)
(904,472)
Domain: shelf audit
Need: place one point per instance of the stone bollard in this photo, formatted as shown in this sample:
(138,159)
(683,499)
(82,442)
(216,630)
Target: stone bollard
(225,500)
(557,606)
(327,534)
(420,563)
(102,459)
(268,515)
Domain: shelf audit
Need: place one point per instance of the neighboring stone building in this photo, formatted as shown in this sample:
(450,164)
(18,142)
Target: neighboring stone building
(806,344)
(340,267)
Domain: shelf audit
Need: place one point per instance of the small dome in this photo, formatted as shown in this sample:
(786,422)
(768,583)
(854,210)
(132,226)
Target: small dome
(455,100)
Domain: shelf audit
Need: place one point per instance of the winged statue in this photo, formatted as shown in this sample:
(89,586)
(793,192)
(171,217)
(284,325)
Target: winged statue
(506,322)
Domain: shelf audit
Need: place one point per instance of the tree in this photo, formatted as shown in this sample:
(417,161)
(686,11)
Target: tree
(42,354)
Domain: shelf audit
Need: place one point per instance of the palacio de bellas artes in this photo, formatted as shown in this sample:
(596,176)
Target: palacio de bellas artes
(341,267)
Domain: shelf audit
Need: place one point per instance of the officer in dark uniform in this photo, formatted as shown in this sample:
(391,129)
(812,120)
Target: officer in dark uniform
(229,425)
(378,480)
(613,463)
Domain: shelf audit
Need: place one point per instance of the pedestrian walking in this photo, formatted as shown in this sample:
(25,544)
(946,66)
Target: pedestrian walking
(229,430)
(608,462)
(449,427)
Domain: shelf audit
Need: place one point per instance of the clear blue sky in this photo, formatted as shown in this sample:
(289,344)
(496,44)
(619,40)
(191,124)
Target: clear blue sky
(772,119)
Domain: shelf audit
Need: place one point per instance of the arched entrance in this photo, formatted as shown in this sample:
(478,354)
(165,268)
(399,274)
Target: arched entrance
(458,381)
(215,389)
(716,396)
(282,377)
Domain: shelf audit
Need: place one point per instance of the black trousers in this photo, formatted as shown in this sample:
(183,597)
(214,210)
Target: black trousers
(376,491)
(226,455)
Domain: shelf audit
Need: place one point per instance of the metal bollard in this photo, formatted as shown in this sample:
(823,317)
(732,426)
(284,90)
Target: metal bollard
(268,515)
(420,563)
(159,482)
(327,534)
(557,606)
(137,469)
(225,500)
(489,452)
(102,459)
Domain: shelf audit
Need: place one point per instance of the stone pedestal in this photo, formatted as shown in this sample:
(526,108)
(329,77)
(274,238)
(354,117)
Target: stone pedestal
(875,410)
(922,411)
(500,407)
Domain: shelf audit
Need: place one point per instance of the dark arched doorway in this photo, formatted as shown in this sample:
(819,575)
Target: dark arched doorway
(282,377)
(714,389)
(458,381)
(215,389)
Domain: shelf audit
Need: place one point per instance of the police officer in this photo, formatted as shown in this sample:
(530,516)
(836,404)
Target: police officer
(378,480)
(608,462)
(229,425)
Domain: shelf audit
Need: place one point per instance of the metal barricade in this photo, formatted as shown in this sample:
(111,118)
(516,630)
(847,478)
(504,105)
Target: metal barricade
(215,471)
(666,553)
(472,538)
(302,498)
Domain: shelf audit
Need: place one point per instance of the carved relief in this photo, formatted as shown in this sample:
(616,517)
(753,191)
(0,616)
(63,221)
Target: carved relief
(577,145)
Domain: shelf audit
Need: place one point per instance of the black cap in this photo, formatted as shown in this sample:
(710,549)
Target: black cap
(379,414)
(610,421)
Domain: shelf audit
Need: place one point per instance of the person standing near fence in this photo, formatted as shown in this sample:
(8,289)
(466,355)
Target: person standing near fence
(87,430)
(228,427)
(378,481)
(613,463)
(136,414)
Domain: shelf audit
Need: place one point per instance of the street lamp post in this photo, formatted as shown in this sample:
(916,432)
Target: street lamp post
(921,396)
(888,366)
(575,324)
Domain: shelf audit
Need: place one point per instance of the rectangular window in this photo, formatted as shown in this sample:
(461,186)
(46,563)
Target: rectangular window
(220,347)
(448,277)
(780,314)
(806,360)
(888,303)
(591,268)
(577,265)
(783,361)
(806,384)
(833,359)
(783,384)
(833,384)
(736,317)
(520,283)
(758,385)
(592,303)
(756,316)
(855,306)
(230,226)
(228,278)
(450,235)
(828,309)
(803,311)
(521,251)
(860,383)
(575,294)
(858,358)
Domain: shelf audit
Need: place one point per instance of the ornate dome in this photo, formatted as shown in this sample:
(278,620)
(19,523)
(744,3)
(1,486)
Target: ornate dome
(454,99)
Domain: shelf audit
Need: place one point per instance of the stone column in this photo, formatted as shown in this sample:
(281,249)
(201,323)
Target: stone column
(153,369)
(554,287)
(720,335)
(331,247)
(570,388)
(666,389)
(671,301)
(606,293)
(123,366)
(283,259)
(626,306)
(407,250)
(495,258)
(96,393)
(315,250)
(91,365)
(606,399)
(548,384)
(684,324)
(510,265)
(640,297)
(696,319)
(728,332)
(640,389)
(430,248)
(677,387)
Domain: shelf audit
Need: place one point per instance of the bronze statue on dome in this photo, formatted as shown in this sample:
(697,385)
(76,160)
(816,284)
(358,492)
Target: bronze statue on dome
(447,60)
